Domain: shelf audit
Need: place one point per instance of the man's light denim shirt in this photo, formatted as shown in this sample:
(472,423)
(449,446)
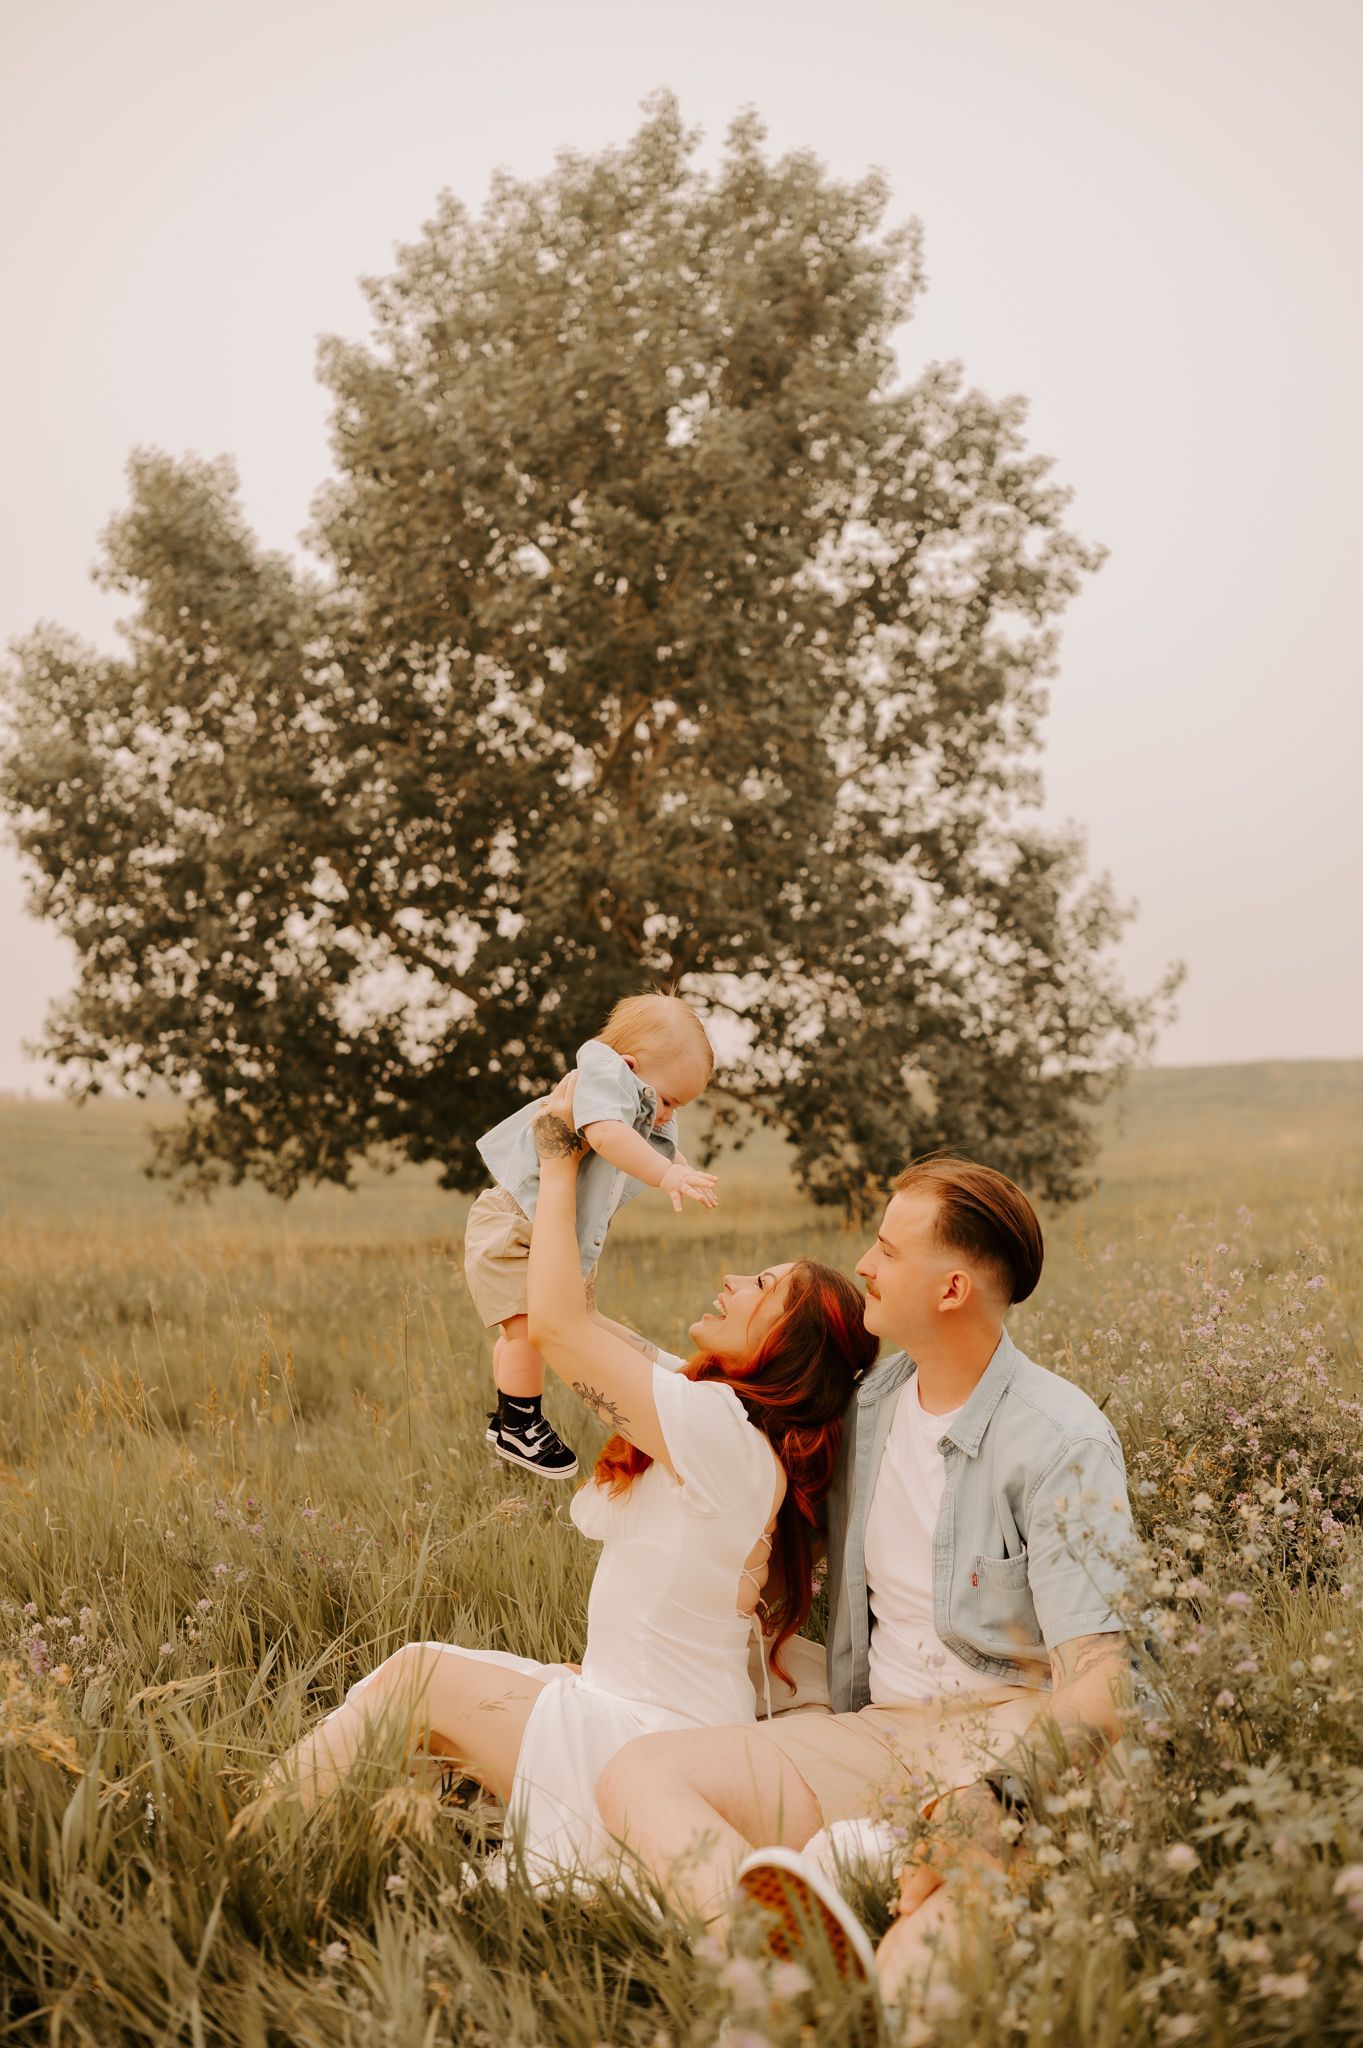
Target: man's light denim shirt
(605,1089)
(1034,1521)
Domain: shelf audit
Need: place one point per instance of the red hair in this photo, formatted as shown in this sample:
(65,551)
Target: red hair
(795,1389)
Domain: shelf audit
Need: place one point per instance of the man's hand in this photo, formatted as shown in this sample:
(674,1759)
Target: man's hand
(971,1833)
(680,1179)
(970,1836)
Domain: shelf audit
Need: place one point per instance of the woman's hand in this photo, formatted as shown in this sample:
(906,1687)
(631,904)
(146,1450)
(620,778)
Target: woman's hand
(556,1140)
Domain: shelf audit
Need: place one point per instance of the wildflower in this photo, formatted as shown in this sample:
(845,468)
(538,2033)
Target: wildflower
(1181,1858)
(204,1606)
(1181,2027)
(395,1884)
(167,1649)
(1224,1698)
(335,1952)
(1349,1886)
(1295,1985)
(789,1980)
(743,1978)
(1202,1504)
(1239,1601)
(1320,1665)
(62,1675)
(31,1609)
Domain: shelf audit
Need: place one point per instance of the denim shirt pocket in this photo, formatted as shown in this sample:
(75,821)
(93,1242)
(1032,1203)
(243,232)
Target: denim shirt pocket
(1001,1619)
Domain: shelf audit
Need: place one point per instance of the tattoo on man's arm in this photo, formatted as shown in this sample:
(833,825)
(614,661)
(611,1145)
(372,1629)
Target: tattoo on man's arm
(1076,1659)
(601,1405)
(554,1139)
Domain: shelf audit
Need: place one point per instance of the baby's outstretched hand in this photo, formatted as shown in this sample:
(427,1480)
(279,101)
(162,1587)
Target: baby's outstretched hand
(682,1180)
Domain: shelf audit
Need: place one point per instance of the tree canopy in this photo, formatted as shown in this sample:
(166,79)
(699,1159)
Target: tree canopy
(659,632)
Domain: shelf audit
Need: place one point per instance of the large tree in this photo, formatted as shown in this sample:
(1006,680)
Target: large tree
(664,634)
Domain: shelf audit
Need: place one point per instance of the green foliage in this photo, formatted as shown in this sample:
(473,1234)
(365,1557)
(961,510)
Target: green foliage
(662,636)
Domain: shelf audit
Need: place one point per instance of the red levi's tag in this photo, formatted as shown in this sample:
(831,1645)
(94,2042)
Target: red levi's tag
(974,1578)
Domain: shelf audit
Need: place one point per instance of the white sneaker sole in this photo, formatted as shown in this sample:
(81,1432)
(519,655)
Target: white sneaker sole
(528,1464)
(798,1896)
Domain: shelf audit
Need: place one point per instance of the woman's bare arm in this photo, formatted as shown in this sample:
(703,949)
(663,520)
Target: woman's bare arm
(611,1375)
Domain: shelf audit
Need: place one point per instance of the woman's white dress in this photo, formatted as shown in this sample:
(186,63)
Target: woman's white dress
(667,1642)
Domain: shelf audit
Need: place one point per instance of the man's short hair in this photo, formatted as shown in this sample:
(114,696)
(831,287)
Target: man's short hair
(982,1215)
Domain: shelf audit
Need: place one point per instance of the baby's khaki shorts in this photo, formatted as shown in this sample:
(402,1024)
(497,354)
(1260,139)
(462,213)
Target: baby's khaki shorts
(496,1252)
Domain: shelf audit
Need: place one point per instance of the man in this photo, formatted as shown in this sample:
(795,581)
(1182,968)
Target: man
(976,1529)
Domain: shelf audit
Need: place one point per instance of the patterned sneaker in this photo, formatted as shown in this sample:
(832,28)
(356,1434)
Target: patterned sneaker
(533,1444)
(800,1900)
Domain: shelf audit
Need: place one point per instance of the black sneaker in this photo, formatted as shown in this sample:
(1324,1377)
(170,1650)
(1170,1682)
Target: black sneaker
(535,1446)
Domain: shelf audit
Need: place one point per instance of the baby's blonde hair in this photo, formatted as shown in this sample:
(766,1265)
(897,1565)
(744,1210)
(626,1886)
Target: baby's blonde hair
(639,1025)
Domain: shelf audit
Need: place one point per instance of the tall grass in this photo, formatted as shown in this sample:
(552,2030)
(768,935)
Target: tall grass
(241,1459)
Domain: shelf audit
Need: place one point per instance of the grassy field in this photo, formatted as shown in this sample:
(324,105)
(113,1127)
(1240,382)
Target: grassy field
(241,1459)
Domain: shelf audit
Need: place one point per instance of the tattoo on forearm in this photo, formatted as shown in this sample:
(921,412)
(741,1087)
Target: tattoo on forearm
(554,1139)
(600,1405)
(1087,1653)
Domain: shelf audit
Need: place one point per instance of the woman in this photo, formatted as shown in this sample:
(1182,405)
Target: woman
(709,1491)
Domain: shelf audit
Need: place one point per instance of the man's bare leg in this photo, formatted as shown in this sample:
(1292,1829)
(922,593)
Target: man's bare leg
(691,1806)
(918,1946)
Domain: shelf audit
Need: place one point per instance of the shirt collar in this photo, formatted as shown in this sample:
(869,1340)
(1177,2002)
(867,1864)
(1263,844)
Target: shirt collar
(884,1376)
(967,1431)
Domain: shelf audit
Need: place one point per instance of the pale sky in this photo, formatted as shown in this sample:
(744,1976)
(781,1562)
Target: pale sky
(1144,216)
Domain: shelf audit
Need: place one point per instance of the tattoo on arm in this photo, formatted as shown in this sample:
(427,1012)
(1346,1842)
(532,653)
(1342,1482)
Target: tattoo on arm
(554,1139)
(601,1405)
(1076,1659)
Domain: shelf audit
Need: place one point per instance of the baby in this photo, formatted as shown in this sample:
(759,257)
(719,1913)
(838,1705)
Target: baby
(651,1059)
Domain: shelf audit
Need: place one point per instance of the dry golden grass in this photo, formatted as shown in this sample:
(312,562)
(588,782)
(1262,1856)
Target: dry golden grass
(241,1459)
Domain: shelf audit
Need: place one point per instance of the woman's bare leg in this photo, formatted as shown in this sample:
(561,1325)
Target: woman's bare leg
(426,1695)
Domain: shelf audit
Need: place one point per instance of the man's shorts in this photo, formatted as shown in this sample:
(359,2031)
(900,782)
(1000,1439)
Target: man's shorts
(882,1757)
(496,1252)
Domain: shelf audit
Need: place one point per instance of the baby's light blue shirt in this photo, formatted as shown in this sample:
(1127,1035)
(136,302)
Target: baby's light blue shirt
(606,1090)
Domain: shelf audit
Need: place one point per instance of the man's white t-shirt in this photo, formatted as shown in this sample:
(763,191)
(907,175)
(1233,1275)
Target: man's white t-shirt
(909,1660)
